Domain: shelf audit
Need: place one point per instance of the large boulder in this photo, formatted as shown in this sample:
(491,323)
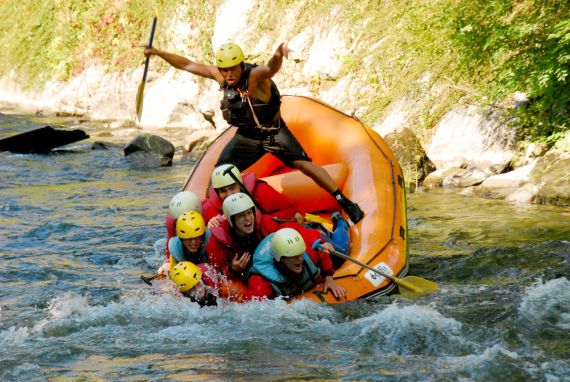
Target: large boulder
(470,135)
(435,179)
(41,140)
(198,142)
(551,175)
(502,185)
(154,144)
(411,156)
(470,177)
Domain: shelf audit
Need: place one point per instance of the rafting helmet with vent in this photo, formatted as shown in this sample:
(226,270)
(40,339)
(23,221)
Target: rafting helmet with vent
(235,204)
(287,242)
(182,202)
(185,275)
(228,55)
(221,176)
(190,225)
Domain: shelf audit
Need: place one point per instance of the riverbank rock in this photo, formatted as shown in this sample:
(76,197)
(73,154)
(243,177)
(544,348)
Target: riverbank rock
(502,185)
(41,140)
(470,177)
(470,135)
(152,144)
(524,195)
(435,179)
(198,142)
(551,175)
(411,156)
(532,151)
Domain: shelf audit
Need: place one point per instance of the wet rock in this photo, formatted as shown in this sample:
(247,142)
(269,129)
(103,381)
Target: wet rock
(501,186)
(435,179)
(524,195)
(551,175)
(198,142)
(152,144)
(411,156)
(41,140)
(501,168)
(470,177)
(100,145)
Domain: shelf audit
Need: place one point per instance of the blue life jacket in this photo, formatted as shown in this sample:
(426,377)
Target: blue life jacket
(264,264)
(179,253)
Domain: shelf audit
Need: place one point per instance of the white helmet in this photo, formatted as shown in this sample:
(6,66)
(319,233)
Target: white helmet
(222,178)
(183,202)
(235,204)
(287,242)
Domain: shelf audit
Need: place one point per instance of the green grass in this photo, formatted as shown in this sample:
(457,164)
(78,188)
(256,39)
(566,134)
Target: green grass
(50,39)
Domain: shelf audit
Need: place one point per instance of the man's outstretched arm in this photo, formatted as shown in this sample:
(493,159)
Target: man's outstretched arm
(183,63)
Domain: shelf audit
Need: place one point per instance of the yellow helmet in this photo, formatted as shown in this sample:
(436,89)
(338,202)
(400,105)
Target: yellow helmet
(190,225)
(221,175)
(186,275)
(235,204)
(228,55)
(183,201)
(287,242)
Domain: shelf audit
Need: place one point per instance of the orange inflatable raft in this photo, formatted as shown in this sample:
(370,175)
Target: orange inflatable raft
(366,170)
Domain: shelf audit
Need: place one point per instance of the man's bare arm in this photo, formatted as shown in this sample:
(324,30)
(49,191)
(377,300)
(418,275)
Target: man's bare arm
(183,63)
(265,72)
(260,75)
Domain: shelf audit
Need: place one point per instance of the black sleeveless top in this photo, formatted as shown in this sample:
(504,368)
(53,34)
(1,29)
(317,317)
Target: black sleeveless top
(237,112)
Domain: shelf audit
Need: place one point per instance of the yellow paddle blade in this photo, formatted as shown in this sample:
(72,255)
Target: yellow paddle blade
(140,99)
(317,219)
(413,286)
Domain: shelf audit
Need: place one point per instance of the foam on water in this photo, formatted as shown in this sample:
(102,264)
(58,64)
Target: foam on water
(413,330)
(14,336)
(547,305)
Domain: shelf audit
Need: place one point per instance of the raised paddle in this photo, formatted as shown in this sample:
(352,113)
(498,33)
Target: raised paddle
(411,286)
(148,279)
(140,91)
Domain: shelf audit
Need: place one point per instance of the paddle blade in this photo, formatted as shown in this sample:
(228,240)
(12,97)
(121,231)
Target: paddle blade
(317,219)
(413,286)
(146,279)
(140,99)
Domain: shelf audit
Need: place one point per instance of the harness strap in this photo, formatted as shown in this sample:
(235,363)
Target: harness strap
(245,95)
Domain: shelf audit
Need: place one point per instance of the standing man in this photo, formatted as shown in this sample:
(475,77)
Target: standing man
(252,103)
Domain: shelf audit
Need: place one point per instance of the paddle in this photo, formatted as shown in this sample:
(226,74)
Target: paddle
(140,90)
(148,279)
(412,286)
(309,218)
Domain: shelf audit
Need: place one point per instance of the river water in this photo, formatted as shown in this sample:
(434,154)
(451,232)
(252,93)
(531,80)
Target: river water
(79,227)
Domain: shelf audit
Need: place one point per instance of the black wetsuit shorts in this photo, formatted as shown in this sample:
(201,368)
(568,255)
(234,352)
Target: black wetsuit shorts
(245,149)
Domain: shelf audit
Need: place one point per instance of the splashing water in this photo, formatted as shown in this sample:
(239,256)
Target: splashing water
(80,226)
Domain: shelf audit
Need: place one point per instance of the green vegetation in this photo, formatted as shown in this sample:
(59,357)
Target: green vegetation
(520,46)
(434,52)
(57,39)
